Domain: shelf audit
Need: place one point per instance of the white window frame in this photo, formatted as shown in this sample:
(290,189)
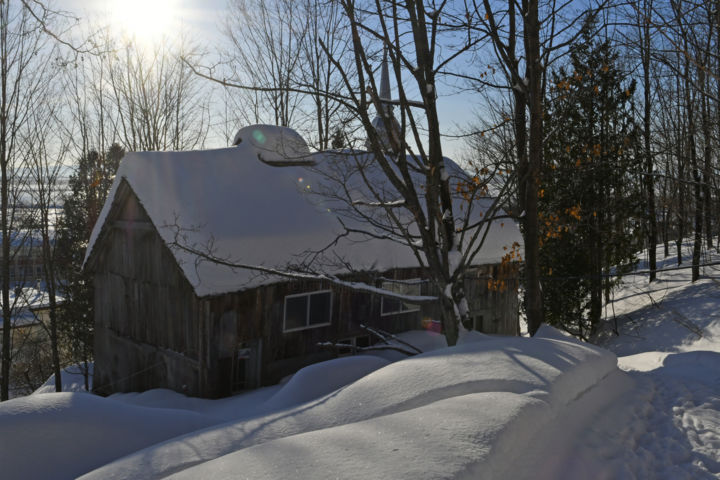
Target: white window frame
(308,325)
(413,306)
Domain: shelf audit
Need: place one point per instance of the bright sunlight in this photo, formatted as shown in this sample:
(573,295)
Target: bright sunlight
(144,20)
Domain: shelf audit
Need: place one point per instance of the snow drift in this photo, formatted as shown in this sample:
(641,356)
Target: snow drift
(63,435)
(466,407)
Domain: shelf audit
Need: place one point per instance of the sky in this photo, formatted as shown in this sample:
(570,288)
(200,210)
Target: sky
(201,21)
(146,18)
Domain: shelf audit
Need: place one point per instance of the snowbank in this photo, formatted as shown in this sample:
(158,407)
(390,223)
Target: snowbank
(469,406)
(668,426)
(322,378)
(223,409)
(63,435)
(423,340)
(440,440)
(73,380)
(307,384)
(470,411)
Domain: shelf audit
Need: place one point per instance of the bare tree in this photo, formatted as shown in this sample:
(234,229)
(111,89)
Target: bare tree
(424,214)
(44,159)
(89,110)
(400,189)
(296,41)
(688,28)
(25,60)
(326,39)
(157,103)
(525,37)
(641,15)
(266,38)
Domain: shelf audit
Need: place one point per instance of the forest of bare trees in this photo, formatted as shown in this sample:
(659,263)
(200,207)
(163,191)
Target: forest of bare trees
(563,142)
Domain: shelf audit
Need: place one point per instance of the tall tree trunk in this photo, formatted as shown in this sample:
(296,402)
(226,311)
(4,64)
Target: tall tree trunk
(717,106)
(697,187)
(649,161)
(50,285)
(596,252)
(679,147)
(533,294)
(666,210)
(707,159)
(4,221)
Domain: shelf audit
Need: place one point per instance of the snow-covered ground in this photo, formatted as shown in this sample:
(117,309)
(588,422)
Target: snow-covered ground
(547,407)
(668,426)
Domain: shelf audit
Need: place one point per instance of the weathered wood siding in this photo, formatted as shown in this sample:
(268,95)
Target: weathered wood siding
(148,322)
(493,310)
(260,314)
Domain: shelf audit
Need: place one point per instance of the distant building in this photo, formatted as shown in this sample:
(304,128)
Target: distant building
(30,308)
(30,323)
(26,255)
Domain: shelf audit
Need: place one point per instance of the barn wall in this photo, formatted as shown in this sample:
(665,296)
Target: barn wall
(259,317)
(493,310)
(273,354)
(147,317)
(260,326)
(401,322)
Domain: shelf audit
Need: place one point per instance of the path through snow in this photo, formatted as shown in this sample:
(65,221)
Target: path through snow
(668,425)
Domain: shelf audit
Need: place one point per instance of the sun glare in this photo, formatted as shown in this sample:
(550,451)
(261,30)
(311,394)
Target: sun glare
(144,20)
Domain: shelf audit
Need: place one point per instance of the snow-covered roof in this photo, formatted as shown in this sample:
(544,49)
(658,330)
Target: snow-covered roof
(256,213)
(24,301)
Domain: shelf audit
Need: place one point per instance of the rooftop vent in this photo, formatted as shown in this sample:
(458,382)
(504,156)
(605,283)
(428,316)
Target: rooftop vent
(276,146)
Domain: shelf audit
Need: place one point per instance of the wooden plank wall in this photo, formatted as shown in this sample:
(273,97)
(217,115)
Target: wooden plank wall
(147,316)
(493,311)
(260,316)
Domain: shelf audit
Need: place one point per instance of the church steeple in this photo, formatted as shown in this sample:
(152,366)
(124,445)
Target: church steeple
(393,129)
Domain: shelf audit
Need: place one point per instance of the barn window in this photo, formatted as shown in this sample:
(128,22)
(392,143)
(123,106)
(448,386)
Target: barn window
(391,306)
(307,310)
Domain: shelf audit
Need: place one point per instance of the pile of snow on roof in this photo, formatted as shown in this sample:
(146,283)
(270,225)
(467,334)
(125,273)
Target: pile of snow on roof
(246,210)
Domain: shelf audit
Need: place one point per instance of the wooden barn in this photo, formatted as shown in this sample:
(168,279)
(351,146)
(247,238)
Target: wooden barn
(165,317)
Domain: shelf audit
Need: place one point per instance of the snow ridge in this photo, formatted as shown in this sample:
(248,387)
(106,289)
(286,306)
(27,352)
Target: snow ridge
(507,379)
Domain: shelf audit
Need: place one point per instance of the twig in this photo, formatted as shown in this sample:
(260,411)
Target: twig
(336,346)
(385,335)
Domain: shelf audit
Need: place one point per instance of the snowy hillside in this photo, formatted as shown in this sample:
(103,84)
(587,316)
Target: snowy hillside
(546,407)
(669,343)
